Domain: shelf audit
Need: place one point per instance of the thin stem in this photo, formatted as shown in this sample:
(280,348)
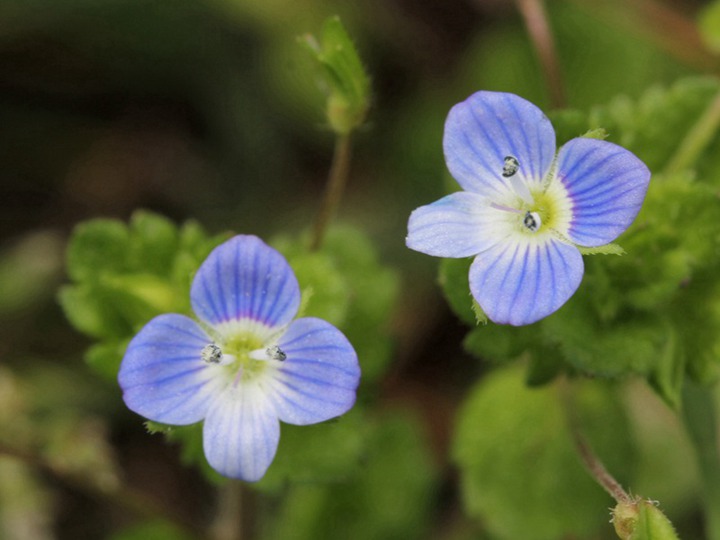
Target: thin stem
(334,189)
(697,139)
(536,21)
(117,494)
(592,463)
(701,423)
(597,470)
(229,523)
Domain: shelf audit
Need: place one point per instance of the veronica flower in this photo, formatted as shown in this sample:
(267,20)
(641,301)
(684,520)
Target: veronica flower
(525,209)
(244,365)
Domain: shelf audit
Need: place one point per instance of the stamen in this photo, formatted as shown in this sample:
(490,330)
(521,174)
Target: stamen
(276,353)
(510,166)
(270,353)
(211,354)
(532,221)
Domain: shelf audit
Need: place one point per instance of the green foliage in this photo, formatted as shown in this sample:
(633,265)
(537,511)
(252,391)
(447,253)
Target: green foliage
(389,498)
(521,475)
(654,126)
(453,279)
(345,283)
(329,452)
(123,275)
(345,78)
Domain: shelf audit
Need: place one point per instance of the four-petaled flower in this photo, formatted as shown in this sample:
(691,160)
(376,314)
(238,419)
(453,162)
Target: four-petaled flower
(245,365)
(525,209)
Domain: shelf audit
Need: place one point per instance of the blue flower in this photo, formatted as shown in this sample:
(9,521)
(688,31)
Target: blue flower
(244,365)
(525,209)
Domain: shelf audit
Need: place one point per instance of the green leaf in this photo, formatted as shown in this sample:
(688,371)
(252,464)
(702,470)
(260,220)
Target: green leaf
(91,310)
(668,374)
(453,278)
(325,291)
(153,243)
(626,345)
(97,246)
(501,343)
(347,279)
(389,498)
(326,452)
(520,474)
(104,358)
(344,75)
(124,276)
(654,127)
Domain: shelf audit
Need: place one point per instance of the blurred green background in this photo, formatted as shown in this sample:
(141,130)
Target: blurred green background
(211,110)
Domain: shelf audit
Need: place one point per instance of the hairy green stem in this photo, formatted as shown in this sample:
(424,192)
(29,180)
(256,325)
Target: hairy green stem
(701,423)
(536,21)
(333,190)
(596,468)
(592,463)
(697,139)
(130,499)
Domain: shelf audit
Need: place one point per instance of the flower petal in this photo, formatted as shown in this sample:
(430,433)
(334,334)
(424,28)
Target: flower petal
(244,278)
(320,375)
(607,185)
(488,127)
(162,374)
(522,281)
(459,225)
(241,432)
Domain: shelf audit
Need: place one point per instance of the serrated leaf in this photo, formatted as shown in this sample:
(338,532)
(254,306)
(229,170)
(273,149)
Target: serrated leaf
(153,243)
(625,346)
(351,280)
(96,247)
(654,127)
(318,275)
(125,276)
